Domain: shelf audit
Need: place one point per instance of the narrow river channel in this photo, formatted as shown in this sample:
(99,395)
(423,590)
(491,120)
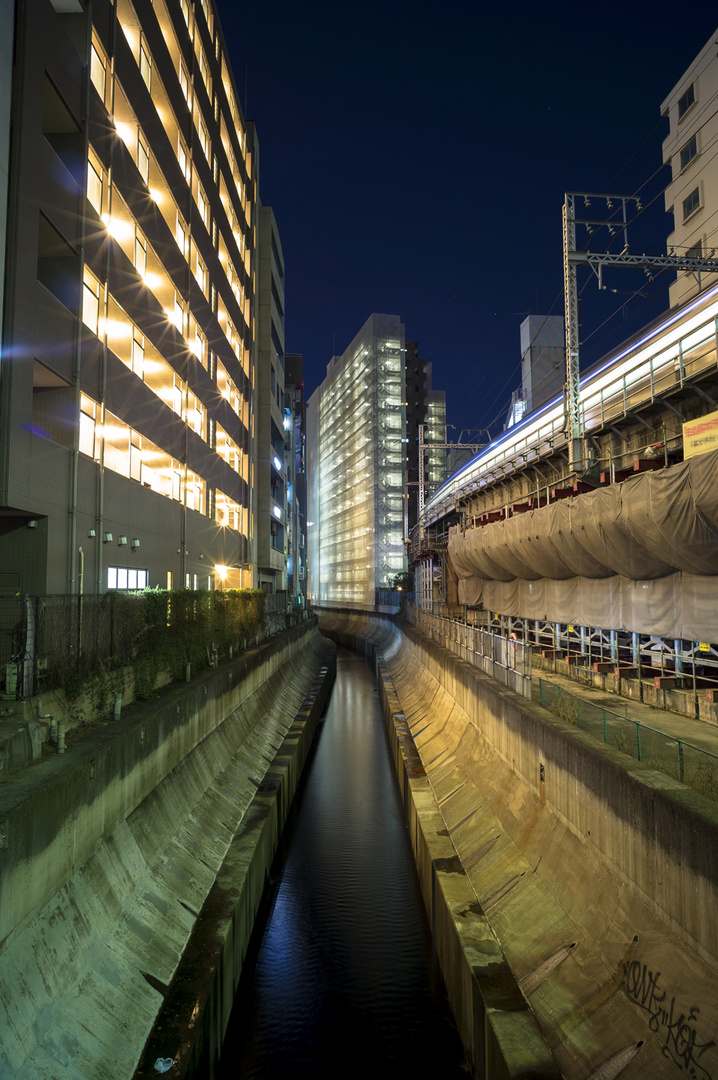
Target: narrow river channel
(345,982)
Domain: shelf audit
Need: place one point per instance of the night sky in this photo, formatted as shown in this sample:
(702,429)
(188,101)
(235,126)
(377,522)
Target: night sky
(416,157)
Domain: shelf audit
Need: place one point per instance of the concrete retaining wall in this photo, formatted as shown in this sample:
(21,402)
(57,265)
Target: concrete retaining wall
(597,877)
(193,1019)
(109,853)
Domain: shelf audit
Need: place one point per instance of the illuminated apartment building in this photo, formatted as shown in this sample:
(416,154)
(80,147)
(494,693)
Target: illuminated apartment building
(356,447)
(128,362)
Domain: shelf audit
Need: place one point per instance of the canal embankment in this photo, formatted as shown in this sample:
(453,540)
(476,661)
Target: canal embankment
(110,852)
(574,898)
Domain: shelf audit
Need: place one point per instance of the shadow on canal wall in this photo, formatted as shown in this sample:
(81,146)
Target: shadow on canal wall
(572,890)
(109,853)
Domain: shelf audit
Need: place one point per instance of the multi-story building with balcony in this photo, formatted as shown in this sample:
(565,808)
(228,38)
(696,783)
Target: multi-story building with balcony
(691,149)
(128,330)
(356,448)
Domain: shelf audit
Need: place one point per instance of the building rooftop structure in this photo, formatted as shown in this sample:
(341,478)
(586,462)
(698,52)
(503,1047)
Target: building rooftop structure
(356,450)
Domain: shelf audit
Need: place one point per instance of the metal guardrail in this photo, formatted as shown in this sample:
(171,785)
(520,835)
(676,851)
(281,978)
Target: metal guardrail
(696,768)
(506,660)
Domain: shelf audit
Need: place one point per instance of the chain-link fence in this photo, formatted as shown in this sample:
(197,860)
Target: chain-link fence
(696,768)
(503,658)
(60,641)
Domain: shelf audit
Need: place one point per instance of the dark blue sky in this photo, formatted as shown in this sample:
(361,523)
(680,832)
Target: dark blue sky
(416,156)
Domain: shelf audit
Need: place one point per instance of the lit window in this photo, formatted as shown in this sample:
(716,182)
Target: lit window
(182,157)
(691,204)
(685,101)
(204,137)
(145,65)
(688,152)
(178,315)
(140,254)
(203,205)
(180,235)
(199,347)
(143,159)
(126,577)
(203,70)
(91,303)
(138,353)
(94,186)
(184,7)
(98,70)
(88,416)
(200,272)
(184,81)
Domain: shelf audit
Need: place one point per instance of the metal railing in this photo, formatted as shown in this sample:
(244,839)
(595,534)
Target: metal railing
(503,658)
(696,768)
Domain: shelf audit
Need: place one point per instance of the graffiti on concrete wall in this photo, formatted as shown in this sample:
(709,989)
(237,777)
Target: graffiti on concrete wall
(676,1026)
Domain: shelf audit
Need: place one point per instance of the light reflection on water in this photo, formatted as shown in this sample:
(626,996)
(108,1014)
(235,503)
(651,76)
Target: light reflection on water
(345,981)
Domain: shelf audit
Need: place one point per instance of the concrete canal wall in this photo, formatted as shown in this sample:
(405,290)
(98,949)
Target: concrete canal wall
(572,891)
(108,854)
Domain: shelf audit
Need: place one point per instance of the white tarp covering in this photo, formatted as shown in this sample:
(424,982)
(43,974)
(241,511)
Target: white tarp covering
(640,556)
(679,606)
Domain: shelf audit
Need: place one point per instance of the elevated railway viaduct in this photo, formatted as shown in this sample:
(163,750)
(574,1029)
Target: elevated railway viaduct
(620,559)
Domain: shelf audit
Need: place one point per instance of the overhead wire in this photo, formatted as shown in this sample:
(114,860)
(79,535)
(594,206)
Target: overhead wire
(611,220)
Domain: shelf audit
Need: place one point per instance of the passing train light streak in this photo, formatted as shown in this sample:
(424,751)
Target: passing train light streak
(652,357)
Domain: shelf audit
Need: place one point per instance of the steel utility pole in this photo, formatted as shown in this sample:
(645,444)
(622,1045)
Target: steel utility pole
(616,222)
(438,446)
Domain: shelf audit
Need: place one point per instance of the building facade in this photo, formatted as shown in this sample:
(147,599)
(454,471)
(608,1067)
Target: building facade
(356,422)
(424,407)
(691,149)
(295,457)
(543,365)
(128,331)
(271,479)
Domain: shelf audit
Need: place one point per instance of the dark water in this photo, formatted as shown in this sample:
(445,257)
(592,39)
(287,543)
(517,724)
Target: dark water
(345,981)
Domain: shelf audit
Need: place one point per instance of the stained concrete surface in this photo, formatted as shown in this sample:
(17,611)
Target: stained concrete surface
(83,972)
(597,859)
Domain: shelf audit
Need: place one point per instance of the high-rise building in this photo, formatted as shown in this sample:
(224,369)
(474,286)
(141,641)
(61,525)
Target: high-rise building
(424,407)
(128,345)
(691,149)
(295,430)
(543,365)
(356,421)
(271,479)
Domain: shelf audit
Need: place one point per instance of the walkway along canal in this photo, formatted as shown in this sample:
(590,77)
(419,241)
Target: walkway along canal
(346,980)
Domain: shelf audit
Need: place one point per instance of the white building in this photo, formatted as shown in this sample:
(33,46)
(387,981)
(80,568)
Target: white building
(356,448)
(543,365)
(691,148)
